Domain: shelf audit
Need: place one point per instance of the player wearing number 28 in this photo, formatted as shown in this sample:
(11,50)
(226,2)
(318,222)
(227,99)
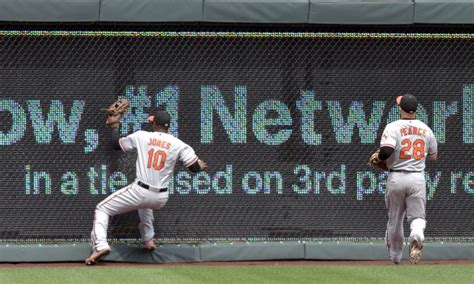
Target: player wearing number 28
(405,146)
(158,153)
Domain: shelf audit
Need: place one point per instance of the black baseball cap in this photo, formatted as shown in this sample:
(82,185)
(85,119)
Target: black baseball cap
(161,117)
(408,103)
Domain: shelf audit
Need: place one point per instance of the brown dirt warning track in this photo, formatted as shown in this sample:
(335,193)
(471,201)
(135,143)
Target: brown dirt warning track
(235,263)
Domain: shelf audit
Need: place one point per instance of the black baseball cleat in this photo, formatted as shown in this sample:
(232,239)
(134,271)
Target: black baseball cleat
(96,255)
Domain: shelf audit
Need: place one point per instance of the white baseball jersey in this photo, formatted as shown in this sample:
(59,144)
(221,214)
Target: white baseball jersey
(412,141)
(157,155)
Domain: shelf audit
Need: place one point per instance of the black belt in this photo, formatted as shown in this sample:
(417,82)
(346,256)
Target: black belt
(404,171)
(146,186)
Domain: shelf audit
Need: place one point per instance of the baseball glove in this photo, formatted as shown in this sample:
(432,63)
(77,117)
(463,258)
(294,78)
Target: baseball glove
(375,162)
(115,111)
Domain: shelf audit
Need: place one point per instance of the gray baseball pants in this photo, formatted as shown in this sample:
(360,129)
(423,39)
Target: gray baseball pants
(405,195)
(132,197)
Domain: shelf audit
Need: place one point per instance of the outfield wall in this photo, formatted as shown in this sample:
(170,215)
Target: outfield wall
(285,120)
(212,252)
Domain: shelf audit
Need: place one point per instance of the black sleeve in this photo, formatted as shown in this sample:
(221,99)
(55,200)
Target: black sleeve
(385,152)
(195,168)
(115,139)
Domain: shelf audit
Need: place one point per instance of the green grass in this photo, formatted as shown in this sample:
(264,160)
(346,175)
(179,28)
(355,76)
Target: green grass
(242,274)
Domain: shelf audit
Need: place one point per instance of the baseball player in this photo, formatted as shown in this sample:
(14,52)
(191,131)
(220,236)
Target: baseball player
(405,145)
(158,153)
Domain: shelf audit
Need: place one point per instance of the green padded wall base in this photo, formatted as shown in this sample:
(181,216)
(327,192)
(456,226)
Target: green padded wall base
(230,252)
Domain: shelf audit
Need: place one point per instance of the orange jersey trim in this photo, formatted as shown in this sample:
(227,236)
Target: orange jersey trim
(191,162)
(387,145)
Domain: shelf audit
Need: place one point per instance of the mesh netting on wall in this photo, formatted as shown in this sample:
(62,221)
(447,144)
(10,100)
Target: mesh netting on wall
(285,121)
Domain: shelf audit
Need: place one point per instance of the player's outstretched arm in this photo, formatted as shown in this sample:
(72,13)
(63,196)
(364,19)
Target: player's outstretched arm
(115,139)
(114,113)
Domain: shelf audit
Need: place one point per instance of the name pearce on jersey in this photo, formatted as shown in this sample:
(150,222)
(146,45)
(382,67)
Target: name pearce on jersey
(159,143)
(413,130)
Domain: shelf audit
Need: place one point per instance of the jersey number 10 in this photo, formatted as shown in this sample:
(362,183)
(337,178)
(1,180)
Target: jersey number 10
(418,149)
(157,159)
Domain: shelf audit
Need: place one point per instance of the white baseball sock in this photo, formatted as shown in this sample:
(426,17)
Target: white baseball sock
(417,228)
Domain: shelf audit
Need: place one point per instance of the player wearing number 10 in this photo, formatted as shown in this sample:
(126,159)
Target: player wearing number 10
(158,153)
(405,145)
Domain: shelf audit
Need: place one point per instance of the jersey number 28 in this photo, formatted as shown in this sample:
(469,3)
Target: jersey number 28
(156,159)
(418,149)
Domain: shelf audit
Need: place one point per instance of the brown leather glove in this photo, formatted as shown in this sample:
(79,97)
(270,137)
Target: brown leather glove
(115,111)
(375,162)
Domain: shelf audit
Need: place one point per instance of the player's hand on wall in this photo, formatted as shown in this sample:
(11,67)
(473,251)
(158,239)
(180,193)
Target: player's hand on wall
(202,164)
